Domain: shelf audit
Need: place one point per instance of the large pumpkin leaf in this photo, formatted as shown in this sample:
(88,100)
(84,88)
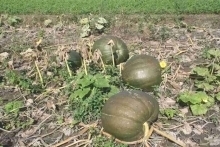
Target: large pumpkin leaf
(201,71)
(80,93)
(199,109)
(101,81)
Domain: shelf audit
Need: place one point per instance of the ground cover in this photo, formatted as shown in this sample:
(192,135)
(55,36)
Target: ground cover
(44,103)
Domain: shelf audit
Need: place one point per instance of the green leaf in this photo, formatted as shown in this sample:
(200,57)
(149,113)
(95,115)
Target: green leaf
(198,109)
(13,107)
(113,91)
(85,81)
(80,93)
(216,66)
(210,78)
(205,86)
(201,71)
(218,96)
(101,81)
(214,52)
(169,112)
(194,97)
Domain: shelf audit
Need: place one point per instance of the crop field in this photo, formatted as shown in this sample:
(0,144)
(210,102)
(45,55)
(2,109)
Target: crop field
(113,6)
(64,84)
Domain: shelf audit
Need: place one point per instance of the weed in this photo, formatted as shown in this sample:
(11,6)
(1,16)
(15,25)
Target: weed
(169,112)
(13,107)
(22,81)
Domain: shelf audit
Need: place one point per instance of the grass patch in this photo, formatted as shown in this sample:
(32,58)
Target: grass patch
(113,6)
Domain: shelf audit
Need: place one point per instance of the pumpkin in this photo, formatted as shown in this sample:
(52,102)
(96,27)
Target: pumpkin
(74,59)
(111,45)
(142,71)
(126,114)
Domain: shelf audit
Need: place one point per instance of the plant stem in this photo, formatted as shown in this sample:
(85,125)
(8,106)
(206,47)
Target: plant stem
(41,79)
(85,67)
(68,68)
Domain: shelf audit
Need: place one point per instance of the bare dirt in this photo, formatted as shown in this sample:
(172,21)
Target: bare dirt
(179,40)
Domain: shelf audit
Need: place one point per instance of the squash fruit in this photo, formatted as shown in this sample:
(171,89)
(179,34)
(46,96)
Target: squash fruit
(142,71)
(111,45)
(125,114)
(74,59)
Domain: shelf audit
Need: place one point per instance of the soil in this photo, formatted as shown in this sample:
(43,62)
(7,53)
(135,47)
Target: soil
(179,40)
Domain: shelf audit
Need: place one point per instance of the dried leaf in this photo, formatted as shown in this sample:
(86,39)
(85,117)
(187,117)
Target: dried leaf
(51,105)
(3,56)
(38,42)
(47,22)
(186,129)
(198,129)
(84,21)
(29,53)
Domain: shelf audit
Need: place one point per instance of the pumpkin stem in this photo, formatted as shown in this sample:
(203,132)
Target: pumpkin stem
(169,137)
(111,43)
(146,130)
(85,68)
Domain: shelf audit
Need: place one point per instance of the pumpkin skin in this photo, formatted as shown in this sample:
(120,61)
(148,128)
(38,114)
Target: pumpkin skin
(142,71)
(124,114)
(119,49)
(75,59)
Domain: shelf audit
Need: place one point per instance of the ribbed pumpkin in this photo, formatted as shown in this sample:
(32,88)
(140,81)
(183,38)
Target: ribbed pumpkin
(74,59)
(142,71)
(119,49)
(126,114)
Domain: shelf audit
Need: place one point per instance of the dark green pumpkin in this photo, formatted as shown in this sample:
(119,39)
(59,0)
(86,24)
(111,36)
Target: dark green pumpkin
(119,49)
(125,113)
(142,71)
(74,59)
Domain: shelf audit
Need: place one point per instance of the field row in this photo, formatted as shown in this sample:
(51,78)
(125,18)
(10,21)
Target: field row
(113,6)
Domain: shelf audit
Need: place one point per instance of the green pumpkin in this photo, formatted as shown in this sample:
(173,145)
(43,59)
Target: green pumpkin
(142,71)
(119,49)
(126,114)
(74,59)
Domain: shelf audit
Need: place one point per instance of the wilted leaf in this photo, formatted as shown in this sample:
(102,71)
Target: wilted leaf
(38,42)
(99,26)
(102,20)
(47,22)
(198,109)
(84,21)
(86,27)
(3,56)
(84,34)
(186,129)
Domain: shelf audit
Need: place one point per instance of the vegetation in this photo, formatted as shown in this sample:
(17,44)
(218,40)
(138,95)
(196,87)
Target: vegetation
(113,6)
(53,87)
